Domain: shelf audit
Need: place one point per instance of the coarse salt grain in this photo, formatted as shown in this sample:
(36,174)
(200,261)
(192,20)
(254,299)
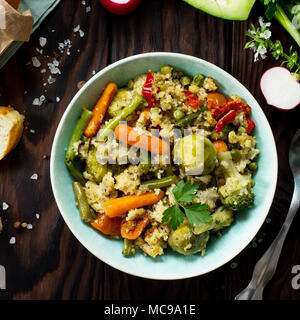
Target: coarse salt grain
(43,70)
(29,226)
(32,131)
(38,101)
(53,67)
(40,51)
(43,41)
(83,2)
(37,215)
(34,176)
(51,79)
(57,99)
(12,240)
(35,62)
(77,28)
(88,9)
(5,206)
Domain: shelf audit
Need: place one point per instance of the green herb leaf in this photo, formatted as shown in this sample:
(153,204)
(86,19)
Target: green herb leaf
(185,192)
(174,216)
(198,214)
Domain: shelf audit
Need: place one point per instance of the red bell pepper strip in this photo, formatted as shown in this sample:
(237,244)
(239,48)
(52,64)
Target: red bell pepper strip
(239,106)
(191,99)
(229,117)
(147,90)
(250,125)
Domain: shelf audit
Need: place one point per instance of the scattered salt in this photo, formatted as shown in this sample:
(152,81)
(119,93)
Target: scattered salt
(29,226)
(38,101)
(40,51)
(43,70)
(37,215)
(35,62)
(77,28)
(43,41)
(5,206)
(53,67)
(254,244)
(34,176)
(81,33)
(233,265)
(88,9)
(32,131)
(57,99)
(268,220)
(93,72)
(12,240)
(83,2)
(51,79)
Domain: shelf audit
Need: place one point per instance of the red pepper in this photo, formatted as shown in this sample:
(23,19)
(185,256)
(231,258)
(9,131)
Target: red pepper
(229,117)
(250,125)
(239,106)
(147,90)
(191,99)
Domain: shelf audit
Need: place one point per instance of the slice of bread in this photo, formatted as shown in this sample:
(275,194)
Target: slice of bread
(11,129)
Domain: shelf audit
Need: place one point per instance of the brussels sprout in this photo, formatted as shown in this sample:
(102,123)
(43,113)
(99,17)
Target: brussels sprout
(222,218)
(116,104)
(196,154)
(184,241)
(94,168)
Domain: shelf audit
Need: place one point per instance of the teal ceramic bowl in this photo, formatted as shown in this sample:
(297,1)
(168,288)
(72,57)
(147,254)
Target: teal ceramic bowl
(171,265)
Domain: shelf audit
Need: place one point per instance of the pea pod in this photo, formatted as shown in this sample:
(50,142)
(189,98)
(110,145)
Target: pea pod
(76,174)
(128,247)
(190,117)
(77,132)
(85,211)
(160,183)
(122,115)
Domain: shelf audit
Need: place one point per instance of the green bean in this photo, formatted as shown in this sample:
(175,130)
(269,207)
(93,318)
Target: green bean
(198,78)
(185,80)
(178,114)
(122,115)
(77,133)
(128,247)
(82,203)
(160,183)
(144,165)
(76,174)
(190,117)
(166,69)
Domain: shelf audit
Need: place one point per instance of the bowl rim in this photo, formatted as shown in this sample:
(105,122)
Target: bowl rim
(138,273)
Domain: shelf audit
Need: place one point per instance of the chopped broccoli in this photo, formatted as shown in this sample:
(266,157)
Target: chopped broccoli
(237,193)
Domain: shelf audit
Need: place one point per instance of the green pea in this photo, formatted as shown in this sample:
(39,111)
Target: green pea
(253,166)
(235,154)
(185,81)
(166,69)
(198,78)
(178,114)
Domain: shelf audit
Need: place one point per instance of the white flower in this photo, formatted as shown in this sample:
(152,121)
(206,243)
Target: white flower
(262,23)
(260,51)
(266,34)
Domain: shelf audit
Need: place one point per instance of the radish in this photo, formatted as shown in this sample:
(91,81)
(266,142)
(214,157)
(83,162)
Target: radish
(120,6)
(280,89)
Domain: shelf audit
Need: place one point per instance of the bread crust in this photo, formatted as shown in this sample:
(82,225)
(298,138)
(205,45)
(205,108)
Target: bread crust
(12,133)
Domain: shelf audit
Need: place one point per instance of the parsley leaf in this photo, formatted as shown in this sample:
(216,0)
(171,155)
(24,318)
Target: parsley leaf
(185,192)
(174,216)
(198,214)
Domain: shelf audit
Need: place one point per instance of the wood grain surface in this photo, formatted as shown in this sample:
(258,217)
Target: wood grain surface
(48,262)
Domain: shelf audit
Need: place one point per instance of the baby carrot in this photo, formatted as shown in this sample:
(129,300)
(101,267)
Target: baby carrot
(132,137)
(119,206)
(100,109)
(220,145)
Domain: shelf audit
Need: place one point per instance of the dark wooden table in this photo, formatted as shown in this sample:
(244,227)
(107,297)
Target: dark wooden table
(48,262)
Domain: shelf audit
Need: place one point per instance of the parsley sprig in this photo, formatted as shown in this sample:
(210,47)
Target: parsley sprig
(196,213)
